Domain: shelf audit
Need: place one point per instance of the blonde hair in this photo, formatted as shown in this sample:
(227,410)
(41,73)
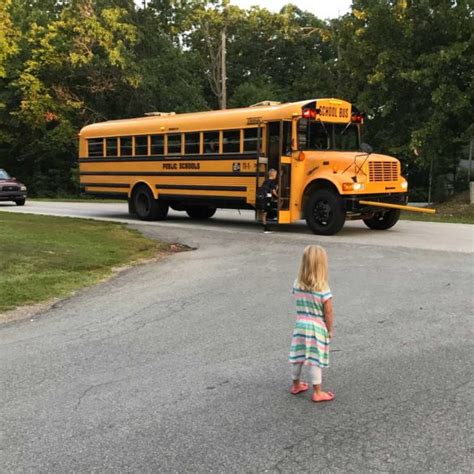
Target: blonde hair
(313,273)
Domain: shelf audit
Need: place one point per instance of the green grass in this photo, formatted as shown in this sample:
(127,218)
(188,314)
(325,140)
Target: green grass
(457,210)
(46,257)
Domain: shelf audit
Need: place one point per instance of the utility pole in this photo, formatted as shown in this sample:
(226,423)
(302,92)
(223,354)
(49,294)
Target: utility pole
(223,71)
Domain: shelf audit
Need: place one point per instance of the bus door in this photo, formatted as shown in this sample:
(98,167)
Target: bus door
(262,161)
(284,173)
(279,158)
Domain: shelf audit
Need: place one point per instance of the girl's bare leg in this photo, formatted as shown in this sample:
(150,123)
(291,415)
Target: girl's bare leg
(316,378)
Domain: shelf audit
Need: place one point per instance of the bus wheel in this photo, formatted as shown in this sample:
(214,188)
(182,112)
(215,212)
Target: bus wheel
(147,207)
(324,212)
(200,212)
(383,220)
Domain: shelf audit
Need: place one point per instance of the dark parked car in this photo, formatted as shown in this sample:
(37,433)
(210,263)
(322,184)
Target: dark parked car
(11,189)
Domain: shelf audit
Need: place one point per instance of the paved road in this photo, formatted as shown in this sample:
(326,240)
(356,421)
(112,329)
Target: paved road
(422,235)
(180,366)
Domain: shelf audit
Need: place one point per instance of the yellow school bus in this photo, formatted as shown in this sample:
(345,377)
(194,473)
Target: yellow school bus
(198,162)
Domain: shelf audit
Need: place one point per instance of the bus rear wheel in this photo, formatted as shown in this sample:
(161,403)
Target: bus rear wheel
(200,212)
(383,220)
(147,207)
(324,212)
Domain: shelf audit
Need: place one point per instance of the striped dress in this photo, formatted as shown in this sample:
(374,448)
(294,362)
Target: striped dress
(310,341)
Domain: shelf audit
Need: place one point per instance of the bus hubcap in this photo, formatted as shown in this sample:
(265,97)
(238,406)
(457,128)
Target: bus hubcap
(143,204)
(322,212)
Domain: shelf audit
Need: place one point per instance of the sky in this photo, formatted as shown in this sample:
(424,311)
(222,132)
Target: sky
(321,8)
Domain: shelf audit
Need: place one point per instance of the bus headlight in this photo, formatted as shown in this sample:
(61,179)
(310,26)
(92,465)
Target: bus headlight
(352,186)
(404,185)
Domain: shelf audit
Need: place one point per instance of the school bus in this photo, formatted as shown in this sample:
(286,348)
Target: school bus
(198,162)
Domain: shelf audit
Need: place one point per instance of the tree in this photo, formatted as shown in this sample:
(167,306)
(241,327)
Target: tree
(72,60)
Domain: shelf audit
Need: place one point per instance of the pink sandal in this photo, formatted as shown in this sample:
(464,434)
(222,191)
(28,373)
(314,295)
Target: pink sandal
(327,397)
(302,387)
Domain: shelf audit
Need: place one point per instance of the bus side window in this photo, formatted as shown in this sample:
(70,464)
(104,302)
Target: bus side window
(174,144)
(302,134)
(125,146)
(211,143)
(111,146)
(250,139)
(286,139)
(231,142)
(95,147)
(192,143)
(141,145)
(157,144)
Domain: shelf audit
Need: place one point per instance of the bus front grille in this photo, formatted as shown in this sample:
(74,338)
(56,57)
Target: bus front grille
(383,171)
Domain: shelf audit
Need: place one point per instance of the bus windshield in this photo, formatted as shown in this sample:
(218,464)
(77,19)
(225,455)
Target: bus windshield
(317,135)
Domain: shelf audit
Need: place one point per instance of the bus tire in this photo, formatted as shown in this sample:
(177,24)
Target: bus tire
(131,206)
(147,207)
(324,212)
(200,212)
(383,220)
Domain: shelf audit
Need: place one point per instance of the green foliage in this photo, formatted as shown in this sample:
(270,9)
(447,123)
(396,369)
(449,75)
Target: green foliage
(66,63)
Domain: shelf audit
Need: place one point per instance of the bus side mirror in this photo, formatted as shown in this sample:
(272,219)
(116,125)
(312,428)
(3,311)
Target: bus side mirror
(366,148)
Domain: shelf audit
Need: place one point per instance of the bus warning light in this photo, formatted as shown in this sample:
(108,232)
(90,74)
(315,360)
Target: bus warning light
(357,118)
(309,113)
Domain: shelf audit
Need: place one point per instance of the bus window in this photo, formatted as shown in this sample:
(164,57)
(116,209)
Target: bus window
(192,142)
(302,137)
(211,142)
(95,147)
(313,135)
(141,145)
(157,144)
(125,146)
(346,137)
(174,143)
(286,139)
(111,146)
(231,143)
(250,139)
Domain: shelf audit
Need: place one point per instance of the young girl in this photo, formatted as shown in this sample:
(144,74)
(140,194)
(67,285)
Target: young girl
(314,322)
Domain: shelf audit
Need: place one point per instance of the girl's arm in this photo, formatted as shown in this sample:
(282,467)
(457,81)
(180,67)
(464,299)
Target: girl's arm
(328,316)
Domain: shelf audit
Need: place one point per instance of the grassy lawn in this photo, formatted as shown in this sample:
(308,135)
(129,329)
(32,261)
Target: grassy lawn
(45,257)
(456,210)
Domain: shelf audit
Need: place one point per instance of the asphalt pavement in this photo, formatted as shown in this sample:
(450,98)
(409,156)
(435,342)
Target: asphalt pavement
(181,365)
